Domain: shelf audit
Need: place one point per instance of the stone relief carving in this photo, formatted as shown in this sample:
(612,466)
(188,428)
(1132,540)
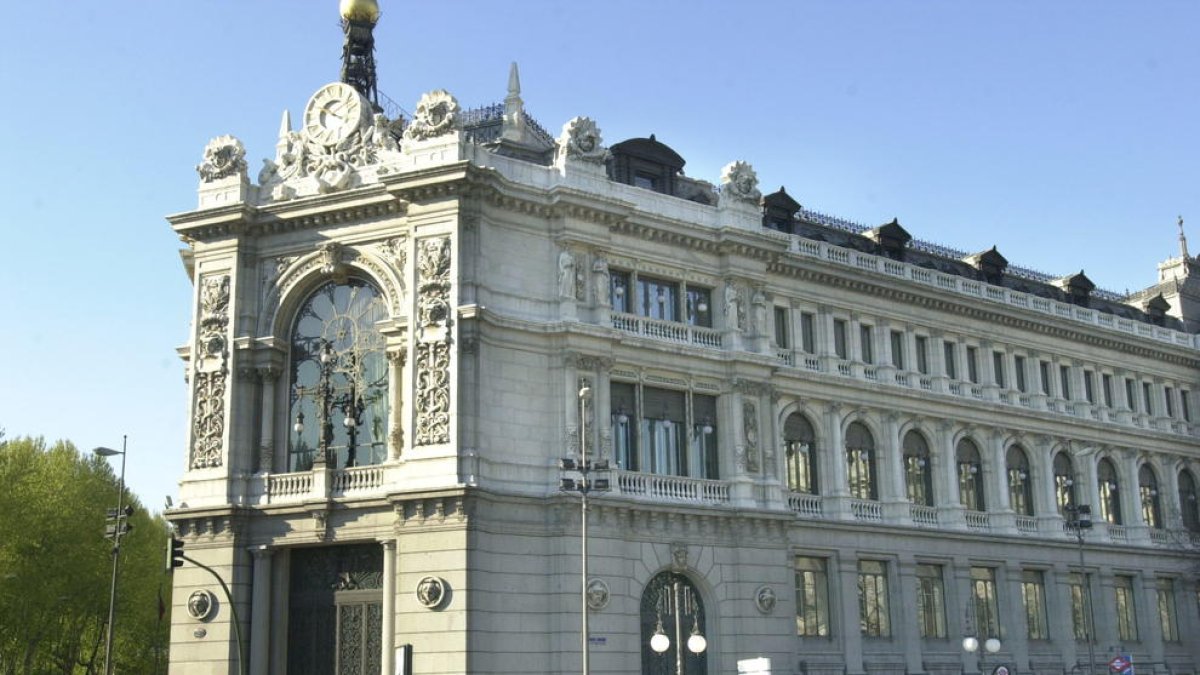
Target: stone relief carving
(740,183)
(224,156)
(580,140)
(201,605)
(601,281)
(331,261)
(759,311)
(431,592)
(765,599)
(396,248)
(566,274)
(597,595)
(733,306)
(750,435)
(436,115)
(679,557)
(432,376)
(209,380)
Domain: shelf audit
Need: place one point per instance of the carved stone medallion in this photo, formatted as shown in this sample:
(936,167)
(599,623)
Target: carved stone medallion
(201,605)
(432,591)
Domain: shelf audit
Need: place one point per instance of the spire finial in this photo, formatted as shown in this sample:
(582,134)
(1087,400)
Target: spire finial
(1182,240)
(514,80)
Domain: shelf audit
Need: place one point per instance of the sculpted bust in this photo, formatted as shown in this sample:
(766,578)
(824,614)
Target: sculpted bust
(580,140)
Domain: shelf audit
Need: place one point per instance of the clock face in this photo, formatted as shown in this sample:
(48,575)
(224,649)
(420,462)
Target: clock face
(333,113)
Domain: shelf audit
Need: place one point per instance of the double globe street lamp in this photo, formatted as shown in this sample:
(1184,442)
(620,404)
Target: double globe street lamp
(681,605)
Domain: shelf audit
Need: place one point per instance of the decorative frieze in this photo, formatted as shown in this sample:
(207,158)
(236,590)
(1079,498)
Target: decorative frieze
(750,452)
(432,362)
(211,373)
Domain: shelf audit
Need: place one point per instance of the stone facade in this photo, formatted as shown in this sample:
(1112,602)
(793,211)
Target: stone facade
(721,353)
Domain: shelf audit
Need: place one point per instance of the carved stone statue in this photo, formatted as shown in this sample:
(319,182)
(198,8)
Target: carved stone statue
(436,115)
(739,183)
(731,306)
(566,274)
(600,282)
(580,140)
(759,312)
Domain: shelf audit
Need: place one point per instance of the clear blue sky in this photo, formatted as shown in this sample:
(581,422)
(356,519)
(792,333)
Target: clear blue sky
(1065,133)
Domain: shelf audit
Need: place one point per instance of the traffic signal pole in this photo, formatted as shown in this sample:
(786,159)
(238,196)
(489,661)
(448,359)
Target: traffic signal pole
(176,558)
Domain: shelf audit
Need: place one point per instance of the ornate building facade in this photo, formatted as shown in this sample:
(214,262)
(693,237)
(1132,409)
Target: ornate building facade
(835,447)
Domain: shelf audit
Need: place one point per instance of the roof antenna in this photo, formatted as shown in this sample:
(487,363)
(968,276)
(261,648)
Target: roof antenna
(358,50)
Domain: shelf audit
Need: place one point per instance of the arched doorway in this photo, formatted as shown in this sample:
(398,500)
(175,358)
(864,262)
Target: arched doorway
(672,606)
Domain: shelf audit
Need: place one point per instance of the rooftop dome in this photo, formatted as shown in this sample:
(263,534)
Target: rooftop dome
(359,10)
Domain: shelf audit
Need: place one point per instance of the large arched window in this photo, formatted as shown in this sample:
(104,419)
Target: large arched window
(860,462)
(800,451)
(1064,483)
(1189,501)
(970,475)
(1148,492)
(338,395)
(1020,488)
(1110,499)
(918,477)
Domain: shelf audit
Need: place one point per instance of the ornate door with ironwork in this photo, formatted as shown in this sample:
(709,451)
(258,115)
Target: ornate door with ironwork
(335,611)
(672,609)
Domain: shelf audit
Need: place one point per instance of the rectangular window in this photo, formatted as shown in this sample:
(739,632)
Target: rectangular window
(703,451)
(658,299)
(1019,374)
(867,345)
(973,365)
(987,609)
(662,427)
(650,431)
(808,340)
(1064,379)
(931,601)
(951,360)
(1089,386)
(1166,610)
(1126,612)
(623,403)
(922,354)
(1081,606)
(812,597)
(1147,400)
(873,599)
(699,306)
(1170,396)
(1185,404)
(619,291)
(839,339)
(998,368)
(898,349)
(781,328)
(1106,385)
(1044,372)
(1033,596)
(1131,395)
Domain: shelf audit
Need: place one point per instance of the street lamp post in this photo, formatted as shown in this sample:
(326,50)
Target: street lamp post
(970,643)
(116,552)
(681,603)
(1079,518)
(584,484)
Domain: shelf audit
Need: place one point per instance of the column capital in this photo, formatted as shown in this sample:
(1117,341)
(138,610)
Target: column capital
(261,551)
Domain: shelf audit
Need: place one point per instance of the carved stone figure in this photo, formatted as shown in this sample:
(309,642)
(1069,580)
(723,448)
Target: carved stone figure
(379,136)
(740,183)
(580,140)
(732,312)
(566,274)
(600,282)
(436,115)
(224,156)
(765,599)
(759,312)
(750,434)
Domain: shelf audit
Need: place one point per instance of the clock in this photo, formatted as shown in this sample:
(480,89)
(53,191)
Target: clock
(334,112)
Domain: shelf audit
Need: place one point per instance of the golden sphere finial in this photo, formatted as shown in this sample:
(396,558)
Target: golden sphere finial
(359,10)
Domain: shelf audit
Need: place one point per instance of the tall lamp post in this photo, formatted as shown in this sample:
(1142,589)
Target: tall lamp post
(583,484)
(681,603)
(1079,518)
(119,517)
(970,643)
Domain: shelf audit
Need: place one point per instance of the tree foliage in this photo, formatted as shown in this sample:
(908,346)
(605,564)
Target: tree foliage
(56,566)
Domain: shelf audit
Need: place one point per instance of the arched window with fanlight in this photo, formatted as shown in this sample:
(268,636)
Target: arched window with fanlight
(1110,499)
(800,454)
(970,475)
(1148,493)
(1064,483)
(338,393)
(860,462)
(1189,501)
(1020,488)
(918,477)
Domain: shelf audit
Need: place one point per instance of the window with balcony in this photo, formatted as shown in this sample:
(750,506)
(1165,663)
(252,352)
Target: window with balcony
(1020,486)
(1081,605)
(897,344)
(1064,483)
(931,601)
(1147,399)
(866,343)
(839,339)
(973,365)
(1189,501)
(918,474)
(808,340)
(657,299)
(970,475)
(1089,386)
(860,462)
(1019,374)
(338,393)
(664,431)
(1033,596)
(1148,494)
(998,369)
(800,454)
(922,350)
(1044,374)
(1106,386)
(1169,393)
(1126,612)
(1064,380)
(1110,500)
(660,299)
(1131,394)
(782,332)
(873,617)
(1166,609)
(987,608)
(812,597)
(950,355)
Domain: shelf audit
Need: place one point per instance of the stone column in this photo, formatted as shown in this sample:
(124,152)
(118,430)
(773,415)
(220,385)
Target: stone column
(1130,495)
(893,492)
(388,643)
(397,358)
(260,609)
(833,473)
(951,512)
(269,375)
(937,361)
(995,478)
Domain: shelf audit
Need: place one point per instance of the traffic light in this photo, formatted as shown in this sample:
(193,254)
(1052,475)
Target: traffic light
(174,553)
(117,522)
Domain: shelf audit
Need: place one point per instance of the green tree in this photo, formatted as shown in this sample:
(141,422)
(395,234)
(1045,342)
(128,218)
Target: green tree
(56,566)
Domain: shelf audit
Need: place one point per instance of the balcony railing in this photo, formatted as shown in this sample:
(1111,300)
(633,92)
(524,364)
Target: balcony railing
(289,486)
(806,505)
(923,516)
(357,479)
(667,331)
(658,487)
(978,521)
(867,511)
(1027,525)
